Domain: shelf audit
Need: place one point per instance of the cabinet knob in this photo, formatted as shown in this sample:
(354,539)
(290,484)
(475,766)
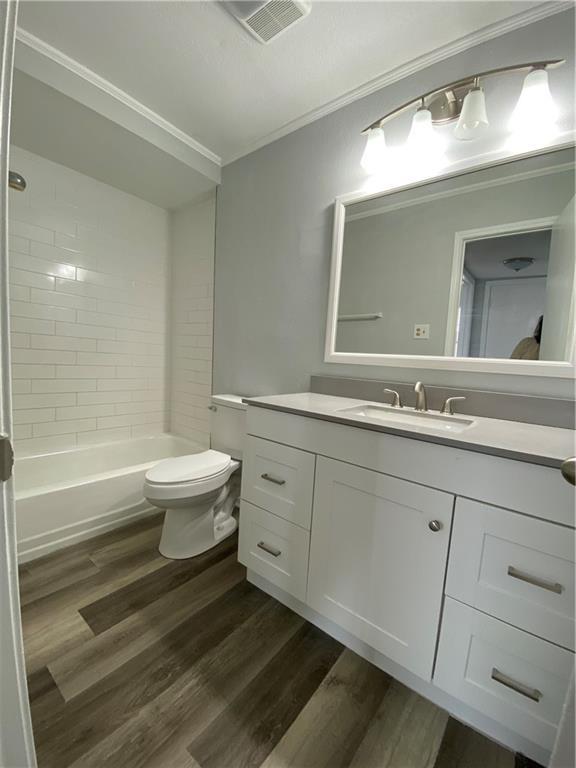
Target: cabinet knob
(435,525)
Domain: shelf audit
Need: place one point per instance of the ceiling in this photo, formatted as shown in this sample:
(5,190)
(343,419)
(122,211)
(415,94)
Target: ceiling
(194,65)
(484,258)
(52,125)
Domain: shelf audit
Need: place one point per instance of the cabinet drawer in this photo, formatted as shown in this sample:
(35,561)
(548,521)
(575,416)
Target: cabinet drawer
(274,548)
(513,567)
(279,479)
(513,677)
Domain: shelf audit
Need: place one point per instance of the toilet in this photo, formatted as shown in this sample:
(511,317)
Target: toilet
(199,491)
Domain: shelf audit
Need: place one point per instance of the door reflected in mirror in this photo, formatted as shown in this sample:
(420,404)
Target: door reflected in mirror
(479,265)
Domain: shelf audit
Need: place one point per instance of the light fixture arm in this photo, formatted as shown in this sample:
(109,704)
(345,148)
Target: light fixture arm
(471,81)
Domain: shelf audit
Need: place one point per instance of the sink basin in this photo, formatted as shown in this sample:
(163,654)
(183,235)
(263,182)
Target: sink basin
(438,422)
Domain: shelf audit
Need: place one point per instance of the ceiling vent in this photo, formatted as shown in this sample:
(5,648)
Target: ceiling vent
(266,20)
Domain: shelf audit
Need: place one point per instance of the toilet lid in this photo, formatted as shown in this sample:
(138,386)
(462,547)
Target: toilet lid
(182,469)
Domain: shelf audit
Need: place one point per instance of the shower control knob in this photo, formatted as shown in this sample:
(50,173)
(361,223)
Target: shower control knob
(435,525)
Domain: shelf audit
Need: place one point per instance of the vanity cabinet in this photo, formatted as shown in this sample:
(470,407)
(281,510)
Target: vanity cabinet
(378,558)
(460,587)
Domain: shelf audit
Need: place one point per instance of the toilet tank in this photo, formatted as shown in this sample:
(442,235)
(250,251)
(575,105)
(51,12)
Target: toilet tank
(228,424)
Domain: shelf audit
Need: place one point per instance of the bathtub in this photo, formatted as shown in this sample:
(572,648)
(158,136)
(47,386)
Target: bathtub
(65,497)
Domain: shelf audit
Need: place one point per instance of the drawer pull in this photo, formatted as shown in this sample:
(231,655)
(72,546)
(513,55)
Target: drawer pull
(522,576)
(272,479)
(531,693)
(271,550)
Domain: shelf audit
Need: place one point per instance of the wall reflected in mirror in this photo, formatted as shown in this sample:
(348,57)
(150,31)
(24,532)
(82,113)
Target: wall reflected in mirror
(479,265)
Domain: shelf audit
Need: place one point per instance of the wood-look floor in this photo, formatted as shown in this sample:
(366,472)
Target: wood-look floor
(134,660)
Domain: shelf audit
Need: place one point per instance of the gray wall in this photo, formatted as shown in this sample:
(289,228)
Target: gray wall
(274,222)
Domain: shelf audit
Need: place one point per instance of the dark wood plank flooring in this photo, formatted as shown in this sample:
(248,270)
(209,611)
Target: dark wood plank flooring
(134,660)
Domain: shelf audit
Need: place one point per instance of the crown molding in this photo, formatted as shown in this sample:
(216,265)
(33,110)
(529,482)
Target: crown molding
(519,20)
(105,86)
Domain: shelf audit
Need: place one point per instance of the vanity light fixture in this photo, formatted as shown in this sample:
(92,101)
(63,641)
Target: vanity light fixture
(463,100)
(473,120)
(374,156)
(535,114)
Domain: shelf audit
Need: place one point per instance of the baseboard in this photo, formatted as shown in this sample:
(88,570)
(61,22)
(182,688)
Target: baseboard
(428,690)
(60,538)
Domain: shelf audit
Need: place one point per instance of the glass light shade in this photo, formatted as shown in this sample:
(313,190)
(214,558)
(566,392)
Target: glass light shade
(535,113)
(423,137)
(375,151)
(473,120)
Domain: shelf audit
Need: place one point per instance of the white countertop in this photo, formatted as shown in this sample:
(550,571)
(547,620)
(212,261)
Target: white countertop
(511,439)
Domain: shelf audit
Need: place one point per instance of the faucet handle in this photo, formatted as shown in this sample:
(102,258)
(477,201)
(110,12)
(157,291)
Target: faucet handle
(396,401)
(447,407)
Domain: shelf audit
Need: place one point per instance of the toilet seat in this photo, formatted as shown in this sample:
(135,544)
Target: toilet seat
(184,477)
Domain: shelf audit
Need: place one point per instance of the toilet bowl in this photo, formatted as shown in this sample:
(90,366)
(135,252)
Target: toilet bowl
(199,491)
(196,493)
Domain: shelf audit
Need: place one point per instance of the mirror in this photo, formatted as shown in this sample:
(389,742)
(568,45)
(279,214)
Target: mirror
(478,265)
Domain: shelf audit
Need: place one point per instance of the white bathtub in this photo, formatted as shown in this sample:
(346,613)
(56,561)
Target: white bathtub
(64,497)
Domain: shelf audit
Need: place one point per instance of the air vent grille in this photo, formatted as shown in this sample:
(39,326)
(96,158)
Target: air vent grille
(274,17)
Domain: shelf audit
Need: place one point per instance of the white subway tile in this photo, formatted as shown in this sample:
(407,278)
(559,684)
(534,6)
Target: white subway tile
(31,232)
(84,411)
(95,398)
(63,342)
(58,299)
(25,309)
(107,422)
(22,431)
(144,407)
(34,416)
(19,340)
(123,347)
(100,358)
(33,371)
(40,356)
(29,325)
(64,427)
(115,385)
(85,372)
(21,386)
(64,385)
(29,263)
(19,293)
(32,279)
(18,244)
(84,331)
(48,400)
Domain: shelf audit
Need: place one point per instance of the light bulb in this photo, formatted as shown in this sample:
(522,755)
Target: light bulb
(424,149)
(535,115)
(473,120)
(374,155)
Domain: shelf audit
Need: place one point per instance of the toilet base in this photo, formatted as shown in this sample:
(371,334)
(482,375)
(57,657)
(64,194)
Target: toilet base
(190,531)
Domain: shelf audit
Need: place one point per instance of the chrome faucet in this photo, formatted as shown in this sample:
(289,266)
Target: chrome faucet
(421,404)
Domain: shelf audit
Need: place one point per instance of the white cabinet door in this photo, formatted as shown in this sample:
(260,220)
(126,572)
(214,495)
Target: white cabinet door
(376,566)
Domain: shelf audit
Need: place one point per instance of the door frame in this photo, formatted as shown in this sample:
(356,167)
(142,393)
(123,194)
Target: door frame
(461,239)
(16,739)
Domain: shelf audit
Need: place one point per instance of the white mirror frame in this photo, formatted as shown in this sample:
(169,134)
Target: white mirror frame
(542,368)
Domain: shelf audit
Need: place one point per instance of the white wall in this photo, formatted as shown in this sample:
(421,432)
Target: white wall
(192,288)
(88,284)
(274,228)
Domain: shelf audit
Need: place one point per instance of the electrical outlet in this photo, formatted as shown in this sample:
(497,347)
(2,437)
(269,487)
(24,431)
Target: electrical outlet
(422,331)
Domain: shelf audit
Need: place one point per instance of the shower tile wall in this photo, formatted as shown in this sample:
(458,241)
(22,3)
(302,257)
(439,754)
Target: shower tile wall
(192,230)
(89,276)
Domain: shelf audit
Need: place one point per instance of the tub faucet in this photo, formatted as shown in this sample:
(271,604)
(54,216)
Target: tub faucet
(421,404)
